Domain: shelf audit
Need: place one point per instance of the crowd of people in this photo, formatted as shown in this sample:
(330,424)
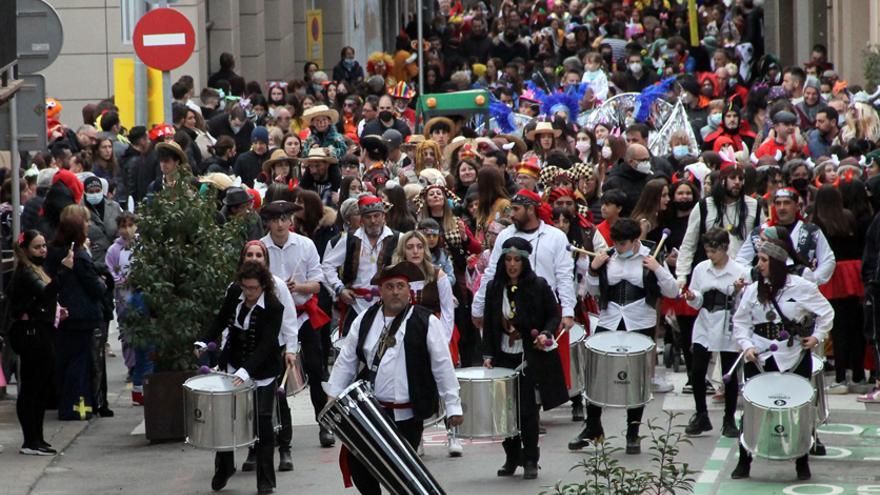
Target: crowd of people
(769,187)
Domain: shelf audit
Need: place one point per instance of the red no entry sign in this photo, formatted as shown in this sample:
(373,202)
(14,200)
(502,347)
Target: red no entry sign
(164,39)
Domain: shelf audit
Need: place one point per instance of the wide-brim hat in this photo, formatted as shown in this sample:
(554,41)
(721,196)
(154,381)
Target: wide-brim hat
(375,144)
(236,196)
(432,122)
(278,209)
(217,179)
(543,128)
(320,111)
(174,148)
(277,156)
(454,146)
(405,269)
(317,154)
(519,146)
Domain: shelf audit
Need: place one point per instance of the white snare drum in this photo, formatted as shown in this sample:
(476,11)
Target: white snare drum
(618,370)
(818,379)
(219,415)
(297,380)
(778,415)
(489,401)
(576,358)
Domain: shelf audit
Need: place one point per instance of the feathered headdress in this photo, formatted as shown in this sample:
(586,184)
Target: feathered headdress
(551,103)
(501,113)
(649,95)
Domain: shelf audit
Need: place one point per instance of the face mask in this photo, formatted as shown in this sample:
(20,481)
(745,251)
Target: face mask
(627,255)
(644,167)
(841,120)
(235,129)
(37,260)
(684,205)
(386,116)
(582,146)
(715,119)
(317,88)
(827,97)
(635,67)
(349,62)
(680,151)
(800,184)
(606,152)
(600,141)
(94,198)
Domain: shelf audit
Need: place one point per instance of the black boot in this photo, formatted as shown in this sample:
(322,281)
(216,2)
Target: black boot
(577,410)
(818,448)
(285,460)
(698,424)
(251,462)
(224,468)
(744,466)
(633,445)
(590,434)
(326,437)
(513,456)
(729,428)
(530,470)
(802,464)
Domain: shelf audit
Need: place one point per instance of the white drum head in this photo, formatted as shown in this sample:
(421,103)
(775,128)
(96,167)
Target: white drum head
(576,333)
(778,390)
(481,373)
(619,342)
(818,365)
(212,383)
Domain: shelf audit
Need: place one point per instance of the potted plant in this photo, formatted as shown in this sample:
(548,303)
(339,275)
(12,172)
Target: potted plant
(183,261)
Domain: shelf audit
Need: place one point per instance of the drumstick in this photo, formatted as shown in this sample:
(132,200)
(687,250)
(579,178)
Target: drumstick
(727,376)
(281,390)
(666,233)
(580,250)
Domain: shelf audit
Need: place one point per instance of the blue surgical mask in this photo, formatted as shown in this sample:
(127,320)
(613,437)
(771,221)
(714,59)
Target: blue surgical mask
(715,119)
(627,254)
(94,198)
(680,151)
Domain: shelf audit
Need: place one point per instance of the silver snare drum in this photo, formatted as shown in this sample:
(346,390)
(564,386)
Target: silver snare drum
(297,380)
(219,415)
(618,369)
(818,379)
(490,401)
(576,358)
(778,416)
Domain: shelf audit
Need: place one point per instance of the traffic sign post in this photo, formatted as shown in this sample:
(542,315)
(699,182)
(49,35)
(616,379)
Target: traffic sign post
(164,39)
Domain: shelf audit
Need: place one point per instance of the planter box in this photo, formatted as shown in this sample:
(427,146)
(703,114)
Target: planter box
(163,405)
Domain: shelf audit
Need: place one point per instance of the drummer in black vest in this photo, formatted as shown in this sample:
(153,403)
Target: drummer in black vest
(402,351)
(252,315)
(778,301)
(518,302)
(629,283)
(361,256)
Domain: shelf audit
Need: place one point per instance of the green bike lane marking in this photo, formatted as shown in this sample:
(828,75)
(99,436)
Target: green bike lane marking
(796,488)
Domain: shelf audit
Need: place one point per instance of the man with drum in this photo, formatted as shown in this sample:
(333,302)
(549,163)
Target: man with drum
(361,256)
(629,283)
(521,318)
(294,259)
(770,316)
(402,351)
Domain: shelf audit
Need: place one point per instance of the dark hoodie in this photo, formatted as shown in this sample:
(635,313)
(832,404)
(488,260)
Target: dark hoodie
(628,180)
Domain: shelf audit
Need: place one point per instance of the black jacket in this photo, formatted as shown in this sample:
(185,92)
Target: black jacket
(537,308)
(218,126)
(628,180)
(377,128)
(82,288)
(256,348)
(248,166)
(29,294)
(349,76)
(130,165)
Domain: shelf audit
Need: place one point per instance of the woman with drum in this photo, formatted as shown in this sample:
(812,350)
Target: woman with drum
(776,305)
(252,315)
(520,320)
(715,283)
(434,293)
(629,283)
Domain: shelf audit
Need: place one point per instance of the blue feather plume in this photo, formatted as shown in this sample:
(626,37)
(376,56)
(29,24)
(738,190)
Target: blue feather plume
(501,113)
(649,95)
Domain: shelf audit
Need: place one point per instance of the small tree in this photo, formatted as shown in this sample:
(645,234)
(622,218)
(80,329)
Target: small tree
(604,475)
(871,56)
(182,263)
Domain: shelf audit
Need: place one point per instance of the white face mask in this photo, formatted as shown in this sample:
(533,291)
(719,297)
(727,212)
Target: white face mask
(635,67)
(583,146)
(826,96)
(644,167)
(606,152)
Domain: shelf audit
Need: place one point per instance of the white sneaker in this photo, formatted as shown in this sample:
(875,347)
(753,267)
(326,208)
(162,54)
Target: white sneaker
(837,388)
(454,446)
(661,386)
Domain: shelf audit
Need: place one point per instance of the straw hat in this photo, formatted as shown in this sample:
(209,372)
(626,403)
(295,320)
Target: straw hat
(174,148)
(217,179)
(543,128)
(317,154)
(320,111)
(429,125)
(277,156)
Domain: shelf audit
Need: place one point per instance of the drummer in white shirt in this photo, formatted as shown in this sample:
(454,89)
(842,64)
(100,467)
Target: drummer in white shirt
(715,284)
(779,301)
(629,283)
(404,354)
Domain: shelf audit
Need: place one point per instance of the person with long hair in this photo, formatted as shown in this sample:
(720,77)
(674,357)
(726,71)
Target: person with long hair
(104,163)
(427,156)
(399,216)
(33,300)
(315,220)
(845,290)
(651,208)
(715,284)
(253,316)
(351,187)
(82,292)
(779,301)
(493,198)
(464,176)
(517,301)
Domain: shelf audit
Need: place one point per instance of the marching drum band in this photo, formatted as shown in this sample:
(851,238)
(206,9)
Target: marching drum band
(394,373)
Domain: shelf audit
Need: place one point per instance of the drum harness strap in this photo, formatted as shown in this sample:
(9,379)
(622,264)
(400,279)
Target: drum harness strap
(715,300)
(386,340)
(625,292)
(771,329)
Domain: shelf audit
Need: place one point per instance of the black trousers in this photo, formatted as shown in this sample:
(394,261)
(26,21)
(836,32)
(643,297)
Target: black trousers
(633,415)
(73,373)
(99,364)
(700,367)
(525,445)
(411,430)
(314,364)
(683,340)
(804,368)
(849,340)
(225,461)
(35,385)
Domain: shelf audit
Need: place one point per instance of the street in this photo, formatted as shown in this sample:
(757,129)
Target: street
(112,456)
